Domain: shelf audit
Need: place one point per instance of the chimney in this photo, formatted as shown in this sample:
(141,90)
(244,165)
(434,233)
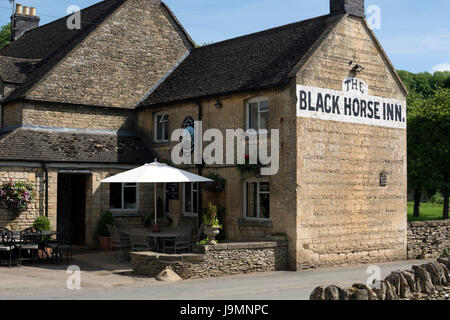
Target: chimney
(23,19)
(352,7)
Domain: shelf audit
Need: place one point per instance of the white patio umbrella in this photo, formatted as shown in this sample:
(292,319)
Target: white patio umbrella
(155,173)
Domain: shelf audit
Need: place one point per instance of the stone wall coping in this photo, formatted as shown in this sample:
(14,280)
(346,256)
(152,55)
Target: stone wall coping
(432,223)
(185,257)
(241,245)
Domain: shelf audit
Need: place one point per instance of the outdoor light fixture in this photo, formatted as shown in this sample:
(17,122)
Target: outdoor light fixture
(357,68)
(218,104)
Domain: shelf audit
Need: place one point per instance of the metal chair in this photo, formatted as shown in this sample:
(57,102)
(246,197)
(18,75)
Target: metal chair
(179,243)
(119,240)
(140,242)
(29,240)
(7,242)
(62,244)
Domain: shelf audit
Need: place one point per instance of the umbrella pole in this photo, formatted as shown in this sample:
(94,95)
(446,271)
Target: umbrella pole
(155,227)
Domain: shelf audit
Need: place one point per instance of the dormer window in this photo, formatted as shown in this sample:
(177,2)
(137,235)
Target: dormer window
(161,127)
(258,114)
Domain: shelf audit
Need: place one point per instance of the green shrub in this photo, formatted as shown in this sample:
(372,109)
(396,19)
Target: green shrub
(106,219)
(42,223)
(437,198)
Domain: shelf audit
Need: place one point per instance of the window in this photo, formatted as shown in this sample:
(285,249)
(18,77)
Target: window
(190,199)
(258,114)
(161,127)
(123,196)
(257,200)
(383,179)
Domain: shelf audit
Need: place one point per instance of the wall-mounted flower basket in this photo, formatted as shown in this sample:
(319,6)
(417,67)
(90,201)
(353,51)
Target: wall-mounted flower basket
(16,196)
(215,186)
(254,169)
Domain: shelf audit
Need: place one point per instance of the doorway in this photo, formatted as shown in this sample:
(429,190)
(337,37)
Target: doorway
(72,204)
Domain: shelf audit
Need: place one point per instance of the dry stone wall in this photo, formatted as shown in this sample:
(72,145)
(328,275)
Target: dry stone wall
(428,239)
(430,281)
(215,261)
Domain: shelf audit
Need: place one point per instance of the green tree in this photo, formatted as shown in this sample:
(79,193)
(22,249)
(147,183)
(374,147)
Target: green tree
(5,35)
(421,171)
(436,113)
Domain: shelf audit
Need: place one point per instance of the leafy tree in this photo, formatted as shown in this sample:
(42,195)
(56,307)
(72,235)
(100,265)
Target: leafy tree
(428,108)
(5,35)
(436,112)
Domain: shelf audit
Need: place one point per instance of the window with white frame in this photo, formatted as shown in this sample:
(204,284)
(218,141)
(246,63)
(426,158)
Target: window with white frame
(257,200)
(258,114)
(161,126)
(123,196)
(190,198)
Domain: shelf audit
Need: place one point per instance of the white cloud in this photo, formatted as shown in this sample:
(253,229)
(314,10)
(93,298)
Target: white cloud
(441,67)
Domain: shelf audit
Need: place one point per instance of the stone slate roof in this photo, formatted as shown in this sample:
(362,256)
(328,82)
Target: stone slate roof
(253,62)
(16,70)
(41,42)
(54,146)
(52,42)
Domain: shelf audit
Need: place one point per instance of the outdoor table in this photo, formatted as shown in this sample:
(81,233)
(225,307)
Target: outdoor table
(164,234)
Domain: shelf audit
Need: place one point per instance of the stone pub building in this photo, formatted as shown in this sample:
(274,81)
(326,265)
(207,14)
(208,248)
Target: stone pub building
(79,105)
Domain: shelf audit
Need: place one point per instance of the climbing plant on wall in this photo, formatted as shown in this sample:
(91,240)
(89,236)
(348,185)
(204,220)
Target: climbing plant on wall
(16,196)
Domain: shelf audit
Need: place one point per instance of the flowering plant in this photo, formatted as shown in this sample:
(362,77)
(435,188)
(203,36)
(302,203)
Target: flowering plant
(16,196)
(215,186)
(211,218)
(247,167)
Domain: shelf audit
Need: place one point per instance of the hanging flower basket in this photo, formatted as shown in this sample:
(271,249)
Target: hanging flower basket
(215,186)
(16,196)
(249,168)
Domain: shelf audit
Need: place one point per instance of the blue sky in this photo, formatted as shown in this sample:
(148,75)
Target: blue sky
(414,33)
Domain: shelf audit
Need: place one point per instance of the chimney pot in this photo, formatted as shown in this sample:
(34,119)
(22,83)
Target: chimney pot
(23,20)
(19,8)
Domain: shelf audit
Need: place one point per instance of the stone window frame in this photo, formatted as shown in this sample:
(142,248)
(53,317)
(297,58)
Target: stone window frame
(122,209)
(258,181)
(191,213)
(259,100)
(155,126)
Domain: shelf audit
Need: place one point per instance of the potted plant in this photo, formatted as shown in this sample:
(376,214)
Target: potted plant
(211,225)
(42,223)
(104,238)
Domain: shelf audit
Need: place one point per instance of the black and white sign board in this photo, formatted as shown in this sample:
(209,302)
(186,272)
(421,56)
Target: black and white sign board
(353,105)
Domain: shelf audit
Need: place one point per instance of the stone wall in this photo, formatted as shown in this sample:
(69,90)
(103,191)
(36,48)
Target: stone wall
(12,115)
(344,216)
(428,239)
(120,61)
(430,281)
(233,116)
(20,221)
(215,261)
(79,117)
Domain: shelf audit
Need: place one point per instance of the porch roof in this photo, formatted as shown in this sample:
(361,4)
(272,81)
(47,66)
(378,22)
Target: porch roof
(51,146)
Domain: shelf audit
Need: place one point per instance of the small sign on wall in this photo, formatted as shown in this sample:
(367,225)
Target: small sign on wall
(172,191)
(353,104)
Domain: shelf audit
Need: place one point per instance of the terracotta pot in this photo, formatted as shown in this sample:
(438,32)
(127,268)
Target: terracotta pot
(104,243)
(44,254)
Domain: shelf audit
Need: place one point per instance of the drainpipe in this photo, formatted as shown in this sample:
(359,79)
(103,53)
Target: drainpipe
(200,170)
(46,188)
